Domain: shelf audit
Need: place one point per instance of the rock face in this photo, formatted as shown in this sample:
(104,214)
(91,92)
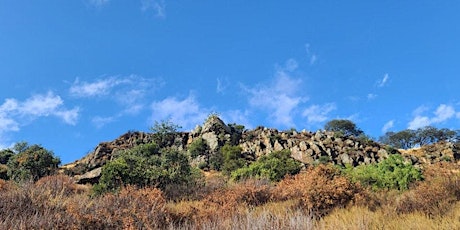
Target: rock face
(310,148)
(307,147)
(430,154)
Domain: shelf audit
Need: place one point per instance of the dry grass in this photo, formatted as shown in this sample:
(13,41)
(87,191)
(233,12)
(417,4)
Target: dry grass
(319,198)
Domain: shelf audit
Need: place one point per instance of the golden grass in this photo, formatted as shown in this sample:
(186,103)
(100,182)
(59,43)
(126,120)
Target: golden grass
(57,203)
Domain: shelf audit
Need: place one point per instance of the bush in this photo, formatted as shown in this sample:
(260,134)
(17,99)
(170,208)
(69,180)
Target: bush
(145,166)
(436,195)
(391,173)
(32,163)
(318,190)
(130,208)
(273,167)
(232,158)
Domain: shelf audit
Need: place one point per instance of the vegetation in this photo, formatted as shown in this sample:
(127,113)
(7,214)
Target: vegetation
(274,167)
(408,138)
(391,173)
(28,162)
(146,166)
(153,187)
(344,127)
(233,159)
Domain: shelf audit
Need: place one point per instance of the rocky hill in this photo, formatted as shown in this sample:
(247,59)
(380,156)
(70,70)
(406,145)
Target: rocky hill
(307,147)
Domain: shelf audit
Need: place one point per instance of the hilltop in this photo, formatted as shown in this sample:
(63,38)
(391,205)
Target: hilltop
(305,146)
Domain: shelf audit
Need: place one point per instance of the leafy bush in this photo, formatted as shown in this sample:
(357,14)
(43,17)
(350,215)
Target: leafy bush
(273,167)
(391,173)
(232,158)
(145,166)
(31,163)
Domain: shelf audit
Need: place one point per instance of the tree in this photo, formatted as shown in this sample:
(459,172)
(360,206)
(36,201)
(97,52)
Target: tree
(31,162)
(164,132)
(232,158)
(345,127)
(404,139)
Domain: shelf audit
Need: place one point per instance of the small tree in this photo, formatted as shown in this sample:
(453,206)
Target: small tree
(32,163)
(164,132)
(345,127)
(232,158)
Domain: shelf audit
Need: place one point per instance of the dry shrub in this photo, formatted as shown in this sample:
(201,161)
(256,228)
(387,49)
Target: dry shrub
(34,206)
(318,190)
(131,208)
(251,192)
(436,195)
(223,204)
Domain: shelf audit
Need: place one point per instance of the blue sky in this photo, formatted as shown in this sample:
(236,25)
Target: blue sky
(76,73)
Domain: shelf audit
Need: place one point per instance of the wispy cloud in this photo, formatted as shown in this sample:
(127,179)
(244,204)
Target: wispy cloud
(222,84)
(185,112)
(371,96)
(384,81)
(389,125)
(318,113)
(442,113)
(280,97)
(97,88)
(98,3)
(310,55)
(157,6)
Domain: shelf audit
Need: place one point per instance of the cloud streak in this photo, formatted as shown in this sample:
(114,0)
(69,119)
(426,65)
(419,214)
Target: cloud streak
(384,81)
(442,113)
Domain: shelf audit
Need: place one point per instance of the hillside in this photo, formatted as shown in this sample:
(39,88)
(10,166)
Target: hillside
(304,146)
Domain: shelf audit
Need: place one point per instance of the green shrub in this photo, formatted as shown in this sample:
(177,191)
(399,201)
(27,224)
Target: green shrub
(32,163)
(391,173)
(273,167)
(145,166)
(233,158)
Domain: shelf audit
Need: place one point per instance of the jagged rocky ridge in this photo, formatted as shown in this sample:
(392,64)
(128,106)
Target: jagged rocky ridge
(307,147)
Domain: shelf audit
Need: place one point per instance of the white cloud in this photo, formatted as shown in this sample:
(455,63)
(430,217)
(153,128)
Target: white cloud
(318,113)
(383,81)
(41,105)
(158,7)
(441,114)
(186,113)
(100,122)
(419,122)
(279,98)
(371,96)
(389,125)
(98,3)
(222,85)
(312,56)
(97,88)
(14,113)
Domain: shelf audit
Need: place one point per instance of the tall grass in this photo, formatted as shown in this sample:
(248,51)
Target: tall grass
(319,198)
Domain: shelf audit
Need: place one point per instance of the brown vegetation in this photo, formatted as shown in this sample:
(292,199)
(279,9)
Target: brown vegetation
(318,198)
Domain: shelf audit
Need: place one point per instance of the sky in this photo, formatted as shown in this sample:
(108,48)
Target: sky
(77,73)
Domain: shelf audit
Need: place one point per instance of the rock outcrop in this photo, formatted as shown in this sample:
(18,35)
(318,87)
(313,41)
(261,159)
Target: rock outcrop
(307,147)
